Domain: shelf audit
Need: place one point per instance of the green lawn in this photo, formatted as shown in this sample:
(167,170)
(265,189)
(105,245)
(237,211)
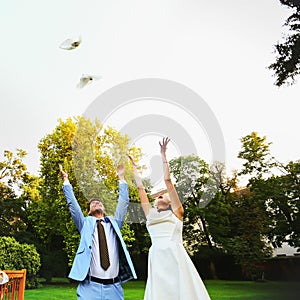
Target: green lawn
(218,290)
(249,290)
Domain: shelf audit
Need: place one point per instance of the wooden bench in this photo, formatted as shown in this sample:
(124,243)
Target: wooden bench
(14,289)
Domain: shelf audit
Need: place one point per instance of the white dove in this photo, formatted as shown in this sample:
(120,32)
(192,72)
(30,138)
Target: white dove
(70,44)
(86,79)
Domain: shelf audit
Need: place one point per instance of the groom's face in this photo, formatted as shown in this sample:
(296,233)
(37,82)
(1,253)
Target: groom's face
(96,207)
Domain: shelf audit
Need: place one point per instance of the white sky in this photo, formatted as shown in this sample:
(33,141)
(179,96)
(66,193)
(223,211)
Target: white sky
(220,49)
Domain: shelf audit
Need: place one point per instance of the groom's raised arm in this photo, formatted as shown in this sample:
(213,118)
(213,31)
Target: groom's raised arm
(73,205)
(123,199)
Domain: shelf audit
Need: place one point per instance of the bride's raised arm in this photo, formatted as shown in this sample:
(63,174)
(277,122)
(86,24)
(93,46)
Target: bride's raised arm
(175,201)
(142,194)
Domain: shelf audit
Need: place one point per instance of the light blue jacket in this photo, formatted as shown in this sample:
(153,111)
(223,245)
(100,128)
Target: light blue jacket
(86,226)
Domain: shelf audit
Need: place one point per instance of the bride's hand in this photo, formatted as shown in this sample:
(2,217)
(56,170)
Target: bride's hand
(163,145)
(132,161)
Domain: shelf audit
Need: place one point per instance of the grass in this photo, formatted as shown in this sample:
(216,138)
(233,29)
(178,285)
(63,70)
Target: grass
(249,290)
(218,290)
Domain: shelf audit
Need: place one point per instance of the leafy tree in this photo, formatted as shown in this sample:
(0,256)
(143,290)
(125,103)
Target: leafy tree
(219,211)
(246,239)
(224,183)
(253,202)
(232,222)
(13,173)
(24,232)
(205,218)
(223,217)
(12,168)
(287,64)
(278,194)
(195,191)
(235,222)
(256,153)
(191,174)
(281,194)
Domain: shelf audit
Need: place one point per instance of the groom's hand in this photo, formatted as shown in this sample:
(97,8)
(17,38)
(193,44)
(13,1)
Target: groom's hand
(121,172)
(63,174)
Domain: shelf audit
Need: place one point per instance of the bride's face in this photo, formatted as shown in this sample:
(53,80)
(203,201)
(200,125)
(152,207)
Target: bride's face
(162,201)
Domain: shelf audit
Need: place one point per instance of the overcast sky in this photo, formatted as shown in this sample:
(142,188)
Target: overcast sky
(219,49)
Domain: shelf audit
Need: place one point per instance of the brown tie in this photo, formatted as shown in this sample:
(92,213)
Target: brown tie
(104,257)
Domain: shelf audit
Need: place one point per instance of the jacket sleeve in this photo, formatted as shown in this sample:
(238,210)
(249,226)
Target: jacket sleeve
(122,205)
(74,207)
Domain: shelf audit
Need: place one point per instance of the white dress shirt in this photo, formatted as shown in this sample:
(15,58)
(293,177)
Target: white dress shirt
(112,245)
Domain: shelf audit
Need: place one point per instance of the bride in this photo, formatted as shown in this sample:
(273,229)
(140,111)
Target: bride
(171,273)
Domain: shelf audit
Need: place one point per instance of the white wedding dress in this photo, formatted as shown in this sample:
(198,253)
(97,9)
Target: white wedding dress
(171,273)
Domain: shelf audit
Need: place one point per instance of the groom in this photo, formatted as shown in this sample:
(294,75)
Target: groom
(97,279)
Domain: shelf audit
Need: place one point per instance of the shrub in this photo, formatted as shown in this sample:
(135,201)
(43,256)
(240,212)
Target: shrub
(16,256)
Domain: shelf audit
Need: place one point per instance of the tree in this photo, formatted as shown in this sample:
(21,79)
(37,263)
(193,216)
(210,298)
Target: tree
(253,203)
(281,195)
(13,173)
(224,183)
(278,194)
(12,168)
(192,175)
(8,209)
(287,64)
(256,153)
(246,239)
(219,211)
(236,222)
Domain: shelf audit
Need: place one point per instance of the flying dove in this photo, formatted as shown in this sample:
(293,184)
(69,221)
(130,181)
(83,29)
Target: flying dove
(86,79)
(70,44)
